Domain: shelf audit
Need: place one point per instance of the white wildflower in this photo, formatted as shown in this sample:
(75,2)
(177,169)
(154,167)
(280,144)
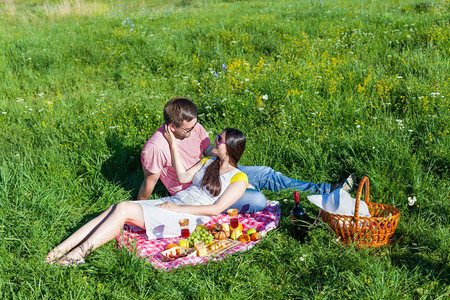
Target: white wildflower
(399,77)
(4,112)
(265,97)
(411,200)
(41,94)
(302,258)
(410,130)
(357,126)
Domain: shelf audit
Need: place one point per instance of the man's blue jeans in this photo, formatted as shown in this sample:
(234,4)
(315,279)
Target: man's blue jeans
(262,177)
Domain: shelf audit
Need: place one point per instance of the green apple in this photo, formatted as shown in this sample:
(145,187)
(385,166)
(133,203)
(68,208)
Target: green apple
(251,230)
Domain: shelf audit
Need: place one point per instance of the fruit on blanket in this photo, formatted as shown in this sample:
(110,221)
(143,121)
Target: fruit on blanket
(244,238)
(235,234)
(251,231)
(200,235)
(170,246)
(226,227)
(201,226)
(182,243)
(240,228)
(255,236)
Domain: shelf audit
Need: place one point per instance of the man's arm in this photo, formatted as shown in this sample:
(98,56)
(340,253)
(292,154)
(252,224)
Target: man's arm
(147,186)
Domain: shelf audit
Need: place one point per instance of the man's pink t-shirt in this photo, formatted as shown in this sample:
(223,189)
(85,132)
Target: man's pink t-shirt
(155,156)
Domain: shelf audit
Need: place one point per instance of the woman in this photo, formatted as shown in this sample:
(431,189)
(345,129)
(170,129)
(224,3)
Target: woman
(217,183)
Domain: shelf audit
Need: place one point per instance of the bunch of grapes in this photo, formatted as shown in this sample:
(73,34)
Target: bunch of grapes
(200,235)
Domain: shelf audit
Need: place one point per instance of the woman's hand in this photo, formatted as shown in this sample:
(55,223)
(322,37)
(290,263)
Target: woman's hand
(168,134)
(169,206)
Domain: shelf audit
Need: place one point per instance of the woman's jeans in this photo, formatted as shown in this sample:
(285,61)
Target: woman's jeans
(262,177)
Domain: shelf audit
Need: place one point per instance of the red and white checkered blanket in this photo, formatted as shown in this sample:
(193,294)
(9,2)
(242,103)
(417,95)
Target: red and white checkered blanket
(134,238)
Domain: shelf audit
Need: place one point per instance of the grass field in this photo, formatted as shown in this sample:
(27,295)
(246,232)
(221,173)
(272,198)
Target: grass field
(320,88)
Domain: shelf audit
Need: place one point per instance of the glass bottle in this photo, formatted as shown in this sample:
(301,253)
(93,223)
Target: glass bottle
(299,219)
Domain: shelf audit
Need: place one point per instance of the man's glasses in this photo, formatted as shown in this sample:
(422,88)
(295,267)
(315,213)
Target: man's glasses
(219,140)
(188,130)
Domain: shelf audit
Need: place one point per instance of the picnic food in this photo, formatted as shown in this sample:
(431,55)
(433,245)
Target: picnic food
(226,227)
(219,232)
(201,249)
(182,243)
(255,236)
(169,246)
(177,252)
(235,234)
(244,238)
(200,234)
(251,231)
(201,226)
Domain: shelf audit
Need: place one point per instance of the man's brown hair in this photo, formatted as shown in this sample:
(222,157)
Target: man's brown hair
(179,109)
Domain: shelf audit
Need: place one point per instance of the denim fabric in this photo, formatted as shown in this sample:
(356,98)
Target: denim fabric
(252,201)
(266,178)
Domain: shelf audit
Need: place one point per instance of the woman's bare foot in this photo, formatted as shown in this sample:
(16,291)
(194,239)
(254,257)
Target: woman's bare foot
(71,258)
(53,255)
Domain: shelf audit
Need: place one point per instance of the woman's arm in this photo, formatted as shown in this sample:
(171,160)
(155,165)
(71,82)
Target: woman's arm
(183,175)
(231,195)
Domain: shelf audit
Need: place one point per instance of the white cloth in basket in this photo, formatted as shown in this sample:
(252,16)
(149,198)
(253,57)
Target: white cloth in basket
(339,202)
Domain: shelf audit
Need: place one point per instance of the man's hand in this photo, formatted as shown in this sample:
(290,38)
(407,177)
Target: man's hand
(168,134)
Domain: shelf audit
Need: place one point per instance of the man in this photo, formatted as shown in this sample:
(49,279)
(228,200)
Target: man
(180,115)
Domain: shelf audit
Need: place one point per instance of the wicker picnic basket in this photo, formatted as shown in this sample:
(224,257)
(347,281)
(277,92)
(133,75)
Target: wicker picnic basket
(365,231)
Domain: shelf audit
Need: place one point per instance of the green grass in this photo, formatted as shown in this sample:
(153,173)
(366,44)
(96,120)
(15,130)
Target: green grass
(319,88)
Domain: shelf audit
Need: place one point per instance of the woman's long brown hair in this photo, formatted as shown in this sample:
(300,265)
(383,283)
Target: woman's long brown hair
(235,143)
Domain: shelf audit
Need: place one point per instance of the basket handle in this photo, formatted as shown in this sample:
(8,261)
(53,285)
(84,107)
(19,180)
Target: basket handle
(364,182)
